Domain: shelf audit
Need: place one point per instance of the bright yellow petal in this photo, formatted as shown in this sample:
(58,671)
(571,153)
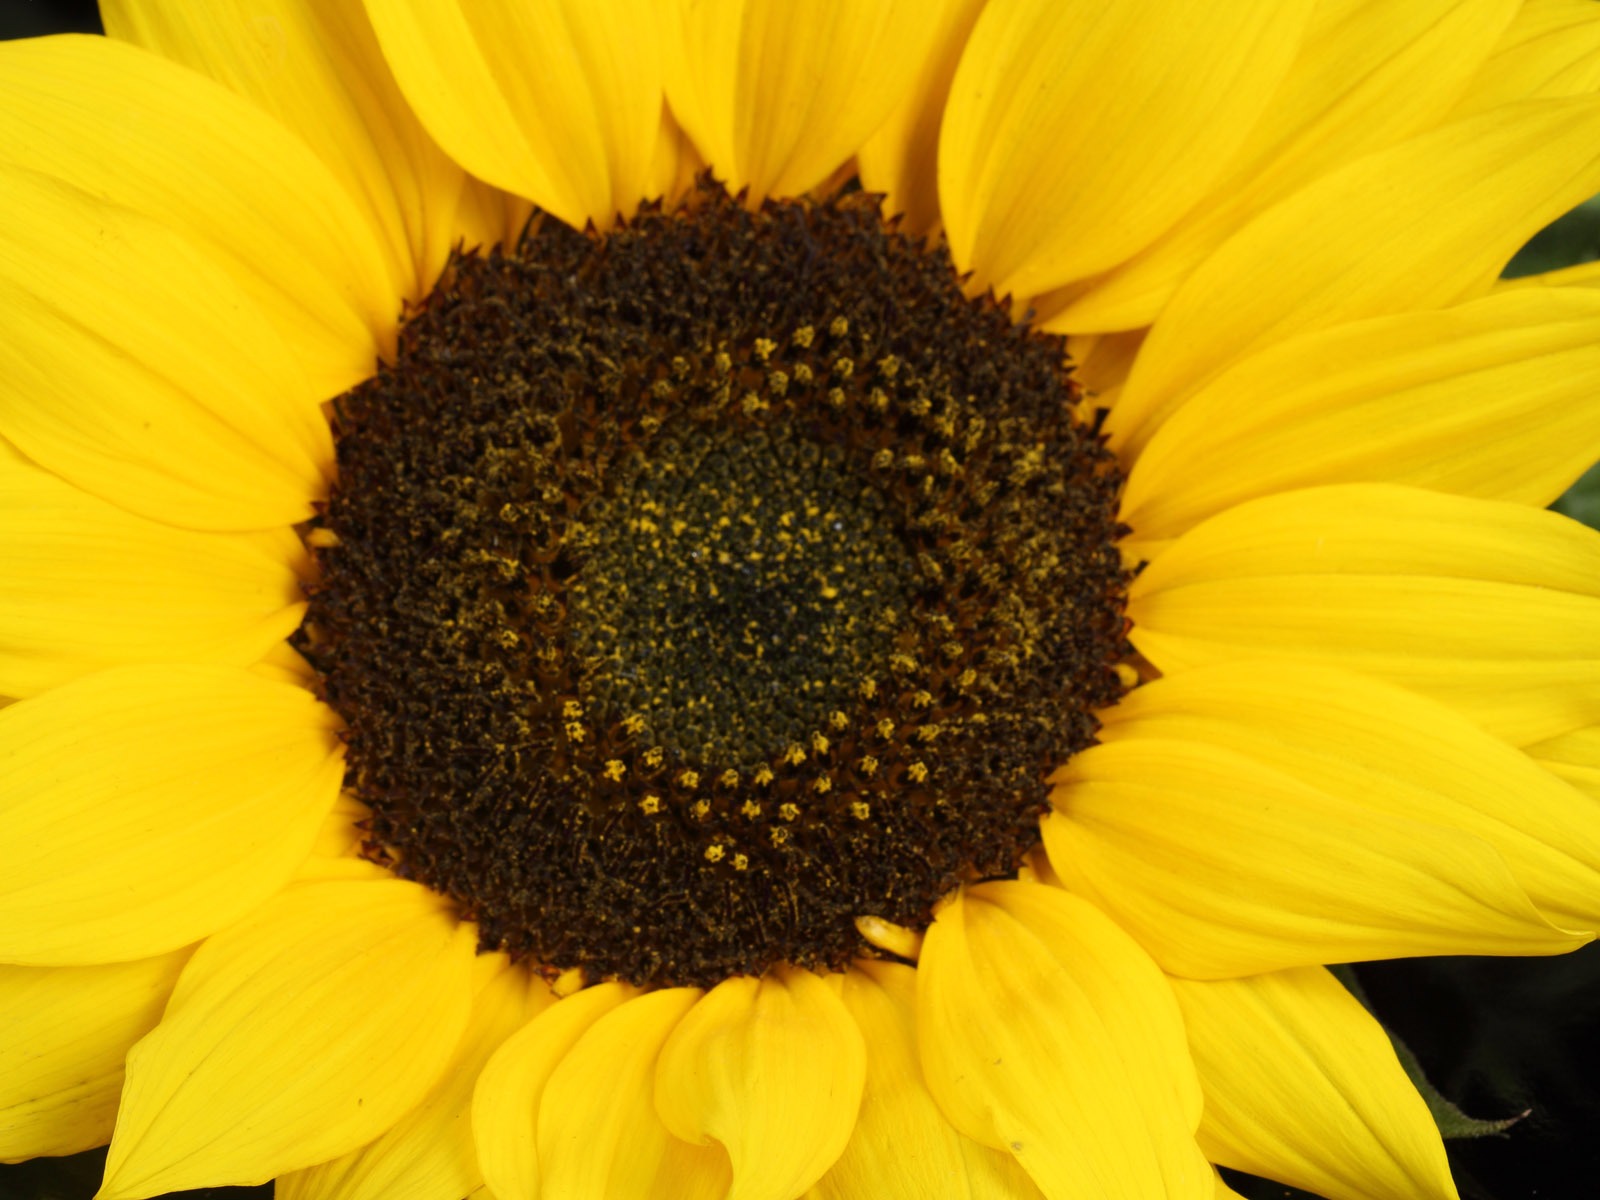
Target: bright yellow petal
(1221,865)
(1551,49)
(315,65)
(143,807)
(1047,1032)
(1422,224)
(778,95)
(902,158)
(1493,608)
(428,1154)
(133,131)
(1390,750)
(772,1069)
(1077,131)
(1369,73)
(63,1034)
(1498,398)
(903,1148)
(1573,757)
(506,1099)
(296,1035)
(555,100)
(137,369)
(89,585)
(609,1141)
(1302,1086)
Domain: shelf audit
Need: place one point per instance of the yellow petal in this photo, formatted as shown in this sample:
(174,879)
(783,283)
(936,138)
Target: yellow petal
(676,161)
(428,1154)
(555,100)
(1302,1086)
(1494,398)
(1047,1032)
(1551,49)
(1076,131)
(902,1147)
(1392,751)
(1221,865)
(137,369)
(143,807)
(902,158)
(63,1034)
(89,585)
(1422,224)
(1368,74)
(1493,608)
(1573,757)
(296,1035)
(506,1099)
(315,66)
(610,1141)
(136,132)
(778,95)
(771,1068)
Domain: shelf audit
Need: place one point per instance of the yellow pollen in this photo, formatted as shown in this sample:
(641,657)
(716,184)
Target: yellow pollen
(819,743)
(576,732)
(572,710)
(869,765)
(714,852)
(885,729)
(839,326)
(918,772)
(689,780)
(822,785)
(322,539)
(788,810)
(615,769)
(779,835)
(1127,674)
(764,348)
(795,754)
(750,809)
(729,778)
(860,809)
(633,724)
(838,720)
(803,336)
(741,862)
(701,809)
(651,804)
(654,757)
(763,776)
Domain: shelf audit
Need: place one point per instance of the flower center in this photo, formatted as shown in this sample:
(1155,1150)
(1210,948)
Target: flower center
(695,589)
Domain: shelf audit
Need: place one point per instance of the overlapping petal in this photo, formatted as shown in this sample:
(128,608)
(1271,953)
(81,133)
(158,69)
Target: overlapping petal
(1493,608)
(428,1154)
(1552,48)
(1302,1086)
(294,1036)
(772,1069)
(1422,224)
(611,1141)
(1047,1032)
(64,1032)
(138,137)
(315,65)
(1031,192)
(509,1092)
(902,1147)
(143,807)
(1493,398)
(776,95)
(555,100)
(1223,865)
(89,585)
(1368,74)
(1389,750)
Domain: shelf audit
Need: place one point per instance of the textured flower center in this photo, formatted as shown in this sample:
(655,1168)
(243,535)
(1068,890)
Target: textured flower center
(695,589)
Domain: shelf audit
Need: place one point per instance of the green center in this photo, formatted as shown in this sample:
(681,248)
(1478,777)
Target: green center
(740,587)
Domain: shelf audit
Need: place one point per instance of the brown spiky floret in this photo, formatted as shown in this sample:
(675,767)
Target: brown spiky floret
(693,589)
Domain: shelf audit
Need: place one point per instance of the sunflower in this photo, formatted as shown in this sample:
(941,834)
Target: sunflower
(757,600)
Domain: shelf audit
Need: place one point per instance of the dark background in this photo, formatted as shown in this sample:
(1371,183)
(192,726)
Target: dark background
(1497,1036)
